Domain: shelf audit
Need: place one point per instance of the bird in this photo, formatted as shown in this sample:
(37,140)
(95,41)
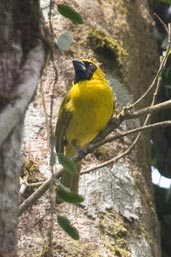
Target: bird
(85,110)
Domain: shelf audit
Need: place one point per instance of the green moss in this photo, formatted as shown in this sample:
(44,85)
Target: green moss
(46,252)
(30,166)
(112,225)
(145,234)
(106,46)
(30,170)
(121,252)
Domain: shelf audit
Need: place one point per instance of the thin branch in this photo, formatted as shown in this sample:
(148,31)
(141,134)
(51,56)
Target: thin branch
(129,132)
(162,22)
(45,112)
(148,110)
(157,80)
(52,154)
(50,131)
(125,115)
(54,65)
(120,135)
(30,201)
(128,150)
(34,184)
(159,72)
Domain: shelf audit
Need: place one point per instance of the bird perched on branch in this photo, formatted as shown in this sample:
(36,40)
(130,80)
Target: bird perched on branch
(85,111)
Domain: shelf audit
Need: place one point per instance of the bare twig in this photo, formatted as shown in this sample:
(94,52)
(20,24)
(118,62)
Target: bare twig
(50,131)
(126,114)
(148,110)
(162,22)
(45,112)
(156,80)
(122,134)
(54,66)
(118,136)
(128,150)
(30,201)
(159,72)
(52,154)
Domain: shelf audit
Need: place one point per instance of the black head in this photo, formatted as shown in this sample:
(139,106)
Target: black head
(83,70)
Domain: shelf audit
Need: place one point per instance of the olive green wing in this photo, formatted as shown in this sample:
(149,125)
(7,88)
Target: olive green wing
(63,120)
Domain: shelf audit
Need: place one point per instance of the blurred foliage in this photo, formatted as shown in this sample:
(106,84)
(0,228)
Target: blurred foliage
(165,1)
(70,13)
(65,194)
(68,164)
(65,40)
(65,224)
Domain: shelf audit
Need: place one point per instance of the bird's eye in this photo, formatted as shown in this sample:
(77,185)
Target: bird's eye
(91,65)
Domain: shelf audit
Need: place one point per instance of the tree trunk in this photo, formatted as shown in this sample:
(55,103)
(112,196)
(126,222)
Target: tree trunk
(21,60)
(9,186)
(118,218)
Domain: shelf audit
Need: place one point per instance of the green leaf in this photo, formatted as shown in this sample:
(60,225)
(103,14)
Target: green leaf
(64,41)
(165,1)
(65,224)
(68,164)
(65,194)
(70,13)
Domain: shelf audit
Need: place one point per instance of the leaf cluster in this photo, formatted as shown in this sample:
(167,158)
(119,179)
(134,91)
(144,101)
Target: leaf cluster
(65,194)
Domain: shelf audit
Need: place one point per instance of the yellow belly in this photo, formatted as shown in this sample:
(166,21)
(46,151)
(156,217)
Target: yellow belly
(91,105)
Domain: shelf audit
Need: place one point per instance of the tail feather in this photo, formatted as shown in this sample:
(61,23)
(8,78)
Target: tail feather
(71,181)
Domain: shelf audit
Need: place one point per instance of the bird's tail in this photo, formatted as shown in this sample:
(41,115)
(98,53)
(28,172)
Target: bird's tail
(71,181)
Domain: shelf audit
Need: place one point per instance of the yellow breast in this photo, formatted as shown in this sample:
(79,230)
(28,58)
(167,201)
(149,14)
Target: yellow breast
(91,105)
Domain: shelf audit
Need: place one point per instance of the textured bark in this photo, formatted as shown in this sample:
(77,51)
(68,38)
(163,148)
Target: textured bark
(6,26)
(10,148)
(10,166)
(17,67)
